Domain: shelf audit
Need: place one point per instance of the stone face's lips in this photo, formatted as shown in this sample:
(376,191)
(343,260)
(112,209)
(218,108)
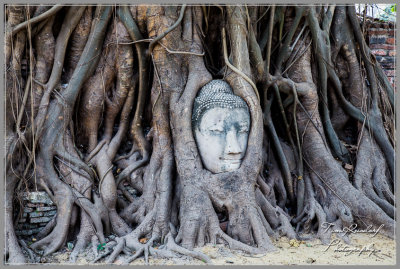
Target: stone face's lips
(232,161)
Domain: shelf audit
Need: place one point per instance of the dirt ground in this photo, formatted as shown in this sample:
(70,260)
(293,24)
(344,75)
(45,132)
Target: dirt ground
(364,249)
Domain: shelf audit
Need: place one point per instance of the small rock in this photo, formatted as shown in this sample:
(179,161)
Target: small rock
(143,240)
(70,245)
(294,243)
(310,260)
(39,197)
(229,261)
(348,166)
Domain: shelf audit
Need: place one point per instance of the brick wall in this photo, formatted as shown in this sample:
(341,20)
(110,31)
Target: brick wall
(38,210)
(382,42)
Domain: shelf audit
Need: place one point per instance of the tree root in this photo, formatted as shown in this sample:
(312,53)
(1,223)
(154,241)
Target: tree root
(12,247)
(37,19)
(311,210)
(85,234)
(108,250)
(167,250)
(30,252)
(370,176)
(47,229)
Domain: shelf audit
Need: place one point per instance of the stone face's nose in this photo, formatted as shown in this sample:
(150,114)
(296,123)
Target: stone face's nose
(232,146)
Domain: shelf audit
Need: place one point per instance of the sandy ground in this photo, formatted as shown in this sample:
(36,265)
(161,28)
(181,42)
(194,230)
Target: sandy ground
(377,250)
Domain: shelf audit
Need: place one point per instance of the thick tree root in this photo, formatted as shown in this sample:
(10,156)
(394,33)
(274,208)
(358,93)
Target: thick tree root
(12,248)
(85,234)
(370,177)
(169,249)
(75,89)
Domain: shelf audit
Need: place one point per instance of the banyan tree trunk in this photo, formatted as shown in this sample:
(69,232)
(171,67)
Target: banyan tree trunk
(103,109)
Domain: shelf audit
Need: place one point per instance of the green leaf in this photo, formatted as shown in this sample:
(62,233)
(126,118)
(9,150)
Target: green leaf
(70,245)
(101,246)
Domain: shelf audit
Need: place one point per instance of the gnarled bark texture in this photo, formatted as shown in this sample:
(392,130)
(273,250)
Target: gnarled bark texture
(99,115)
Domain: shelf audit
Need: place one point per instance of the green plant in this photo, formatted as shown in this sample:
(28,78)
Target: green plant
(389,13)
(101,246)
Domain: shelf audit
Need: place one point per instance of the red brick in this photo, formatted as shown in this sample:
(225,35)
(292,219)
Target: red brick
(379,52)
(381,31)
(378,39)
(377,31)
(382,46)
(390,73)
(390,40)
(392,53)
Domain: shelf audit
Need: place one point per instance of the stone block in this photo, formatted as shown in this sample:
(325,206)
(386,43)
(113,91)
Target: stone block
(36,214)
(39,197)
(46,208)
(28,209)
(49,213)
(40,219)
(24,232)
(28,232)
(26,226)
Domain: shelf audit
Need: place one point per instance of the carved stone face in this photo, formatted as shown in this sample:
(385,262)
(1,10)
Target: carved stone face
(221,137)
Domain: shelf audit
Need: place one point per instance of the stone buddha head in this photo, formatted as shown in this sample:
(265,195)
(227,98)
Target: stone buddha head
(221,124)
